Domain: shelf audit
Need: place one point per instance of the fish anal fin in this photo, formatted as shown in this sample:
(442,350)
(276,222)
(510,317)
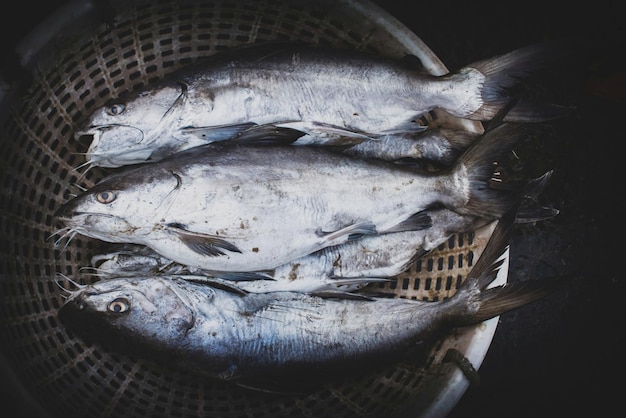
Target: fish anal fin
(417,222)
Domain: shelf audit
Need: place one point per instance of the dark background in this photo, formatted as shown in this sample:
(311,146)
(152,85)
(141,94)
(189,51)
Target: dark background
(563,355)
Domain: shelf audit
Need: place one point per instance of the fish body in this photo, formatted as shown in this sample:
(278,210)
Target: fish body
(317,91)
(345,267)
(236,336)
(225,207)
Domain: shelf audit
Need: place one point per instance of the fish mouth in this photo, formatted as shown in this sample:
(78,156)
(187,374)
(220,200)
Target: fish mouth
(108,144)
(85,223)
(94,135)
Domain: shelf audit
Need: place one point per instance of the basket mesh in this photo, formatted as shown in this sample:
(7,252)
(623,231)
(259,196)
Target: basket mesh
(39,156)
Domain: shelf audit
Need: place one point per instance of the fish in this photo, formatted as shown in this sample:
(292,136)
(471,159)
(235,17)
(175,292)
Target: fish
(346,268)
(319,91)
(232,208)
(431,149)
(267,340)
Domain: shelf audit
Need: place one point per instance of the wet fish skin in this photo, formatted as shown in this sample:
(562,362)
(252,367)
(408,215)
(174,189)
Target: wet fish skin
(238,337)
(265,206)
(437,146)
(315,90)
(346,267)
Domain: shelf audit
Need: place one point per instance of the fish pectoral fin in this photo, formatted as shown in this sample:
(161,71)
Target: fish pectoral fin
(319,133)
(204,244)
(215,133)
(268,134)
(349,233)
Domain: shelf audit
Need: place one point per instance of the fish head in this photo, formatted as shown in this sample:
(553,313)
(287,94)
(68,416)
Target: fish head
(123,207)
(127,311)
(127,131)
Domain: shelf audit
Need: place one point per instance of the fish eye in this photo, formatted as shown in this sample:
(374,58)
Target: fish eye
(119,305)
(106,197)
(116,109)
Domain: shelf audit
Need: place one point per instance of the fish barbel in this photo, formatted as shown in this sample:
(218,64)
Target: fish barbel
(225,207)
(241,337)
(321,92)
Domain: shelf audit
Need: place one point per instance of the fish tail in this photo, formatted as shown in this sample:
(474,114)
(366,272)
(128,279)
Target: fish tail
(503,75)
(476,302)
(476,166)
(505,298)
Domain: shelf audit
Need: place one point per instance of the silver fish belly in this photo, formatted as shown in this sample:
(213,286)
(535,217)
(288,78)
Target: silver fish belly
(243,208)
(314,90)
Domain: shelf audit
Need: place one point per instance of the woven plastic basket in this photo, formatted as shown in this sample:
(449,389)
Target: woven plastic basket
(79,62)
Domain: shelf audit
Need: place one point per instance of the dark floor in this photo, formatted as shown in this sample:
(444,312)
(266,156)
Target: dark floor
(562,355)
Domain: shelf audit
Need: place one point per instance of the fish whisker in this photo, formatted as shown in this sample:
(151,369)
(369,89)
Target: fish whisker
(63,233)
(57,281)
(89,164)
(79,187)
(93,272)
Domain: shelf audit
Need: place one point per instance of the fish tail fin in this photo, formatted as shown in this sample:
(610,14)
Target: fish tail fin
(477,302)
(477,167)
(505,298)
(503,75)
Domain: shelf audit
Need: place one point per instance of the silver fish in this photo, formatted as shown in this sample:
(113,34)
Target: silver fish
(281,336)
(435,147)
(345,267)
(321,92)
(225,207)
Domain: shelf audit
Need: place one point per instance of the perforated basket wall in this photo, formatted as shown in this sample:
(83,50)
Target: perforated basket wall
(77,72)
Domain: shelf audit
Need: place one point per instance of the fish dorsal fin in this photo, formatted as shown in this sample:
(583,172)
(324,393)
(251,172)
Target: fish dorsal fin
(204,244)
